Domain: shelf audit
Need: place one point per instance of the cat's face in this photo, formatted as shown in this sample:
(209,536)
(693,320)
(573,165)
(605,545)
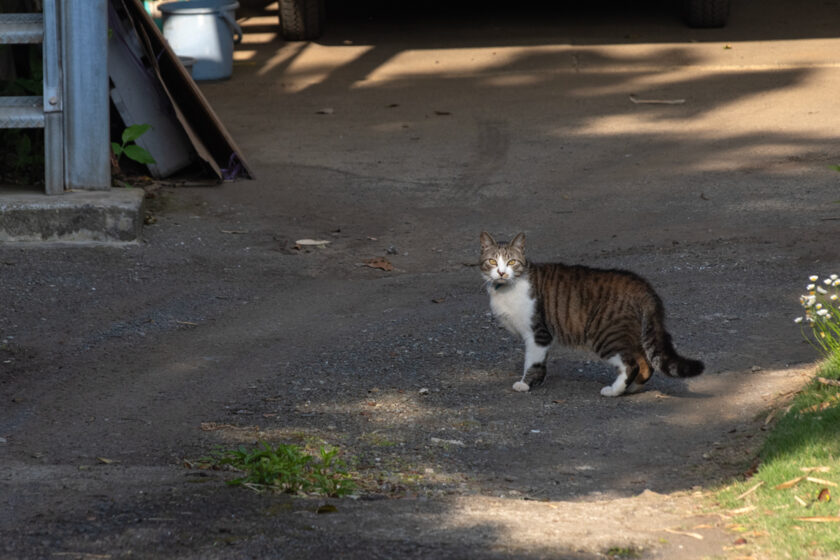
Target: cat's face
(502,263)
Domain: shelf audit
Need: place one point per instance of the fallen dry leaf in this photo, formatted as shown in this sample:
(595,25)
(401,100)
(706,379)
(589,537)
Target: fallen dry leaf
(821,519)
(697,536)
(821,406)
(815,469)
(800,501)
(790,483)
(320,243)
(739,511)
(379,262)
(825,381)
(820,481)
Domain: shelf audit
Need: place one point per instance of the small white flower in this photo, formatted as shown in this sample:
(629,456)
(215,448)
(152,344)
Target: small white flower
(822,312)
(833,297)
(822,290)
(798,320)
(813,278)
(808,301)
(819,306)
(810,287)
(833,277)
(827,281)
(837,282)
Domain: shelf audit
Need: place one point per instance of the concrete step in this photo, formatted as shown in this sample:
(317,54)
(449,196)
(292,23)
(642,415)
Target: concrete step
(22,112)
(114,216)
(18,29)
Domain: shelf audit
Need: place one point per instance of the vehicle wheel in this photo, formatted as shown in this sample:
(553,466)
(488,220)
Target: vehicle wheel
(706,13)
(301,20)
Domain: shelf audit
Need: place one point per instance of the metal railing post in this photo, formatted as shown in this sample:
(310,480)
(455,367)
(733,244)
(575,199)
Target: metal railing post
(84,40)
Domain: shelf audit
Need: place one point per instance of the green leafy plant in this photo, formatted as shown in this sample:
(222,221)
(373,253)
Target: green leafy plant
(287,468)
(130,148)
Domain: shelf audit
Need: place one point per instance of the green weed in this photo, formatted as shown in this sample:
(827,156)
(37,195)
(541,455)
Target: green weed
(287,468)
(616,552)
(129,148)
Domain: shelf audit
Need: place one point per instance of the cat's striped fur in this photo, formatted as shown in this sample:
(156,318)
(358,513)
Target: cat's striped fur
(615,313)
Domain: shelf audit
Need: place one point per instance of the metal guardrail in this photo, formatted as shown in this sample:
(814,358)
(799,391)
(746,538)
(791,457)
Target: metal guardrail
(17,29)
(21,112)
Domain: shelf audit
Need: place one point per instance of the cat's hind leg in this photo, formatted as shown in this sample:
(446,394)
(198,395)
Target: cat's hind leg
(534,368)
(645,373)
(628,371)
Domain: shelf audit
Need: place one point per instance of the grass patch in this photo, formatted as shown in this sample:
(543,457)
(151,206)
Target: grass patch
(786,509)
(286,468)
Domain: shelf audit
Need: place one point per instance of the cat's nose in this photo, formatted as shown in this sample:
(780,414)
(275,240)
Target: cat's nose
(502,274)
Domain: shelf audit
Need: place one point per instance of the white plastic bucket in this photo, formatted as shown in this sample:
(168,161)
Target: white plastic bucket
(204,30)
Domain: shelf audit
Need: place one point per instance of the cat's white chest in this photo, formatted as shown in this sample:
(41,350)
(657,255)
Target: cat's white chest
(513,306)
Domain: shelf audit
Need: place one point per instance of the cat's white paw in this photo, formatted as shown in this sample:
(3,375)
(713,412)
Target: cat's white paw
(608,391)
(521,386)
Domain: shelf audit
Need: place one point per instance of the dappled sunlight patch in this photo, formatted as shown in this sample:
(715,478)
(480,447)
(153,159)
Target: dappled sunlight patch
(312,63)
(640,522)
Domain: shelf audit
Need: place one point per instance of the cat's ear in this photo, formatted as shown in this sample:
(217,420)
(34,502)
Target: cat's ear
(486,241)
(518,242)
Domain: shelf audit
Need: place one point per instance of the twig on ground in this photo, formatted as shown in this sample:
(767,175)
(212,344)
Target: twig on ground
(750,491)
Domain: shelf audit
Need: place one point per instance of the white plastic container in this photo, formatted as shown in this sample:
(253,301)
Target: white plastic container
(206,31)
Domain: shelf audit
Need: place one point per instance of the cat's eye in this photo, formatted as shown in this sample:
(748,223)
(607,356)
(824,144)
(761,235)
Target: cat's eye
(512,262)
(493,262)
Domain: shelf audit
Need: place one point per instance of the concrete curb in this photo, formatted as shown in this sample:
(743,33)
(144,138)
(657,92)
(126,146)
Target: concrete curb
(114,216)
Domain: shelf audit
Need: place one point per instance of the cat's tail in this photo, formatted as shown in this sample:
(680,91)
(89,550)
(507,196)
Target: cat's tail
(660,350)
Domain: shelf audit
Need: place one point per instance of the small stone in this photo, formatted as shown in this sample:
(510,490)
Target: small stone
(424,391)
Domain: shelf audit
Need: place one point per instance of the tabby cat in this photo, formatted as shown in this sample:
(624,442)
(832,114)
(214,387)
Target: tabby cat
(615,313)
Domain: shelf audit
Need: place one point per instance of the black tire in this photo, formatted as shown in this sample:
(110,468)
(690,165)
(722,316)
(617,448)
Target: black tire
(301,20)
(706,13)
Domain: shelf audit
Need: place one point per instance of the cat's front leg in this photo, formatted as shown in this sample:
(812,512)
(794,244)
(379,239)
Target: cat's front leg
(534,368)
